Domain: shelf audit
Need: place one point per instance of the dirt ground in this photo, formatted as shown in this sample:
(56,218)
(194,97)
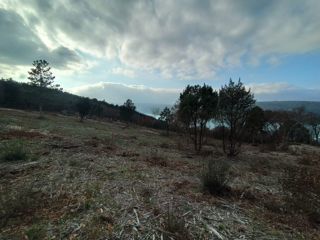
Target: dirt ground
(101,180)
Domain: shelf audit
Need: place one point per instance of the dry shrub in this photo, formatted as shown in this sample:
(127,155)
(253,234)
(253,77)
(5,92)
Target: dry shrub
(302,188)
(20,134)
(129,154)
(206,153)
(157,159)
(268,147)
(17,202)
(216,176)
(164,145)
(309,160)
(262,165)
(147,193)
(175,228)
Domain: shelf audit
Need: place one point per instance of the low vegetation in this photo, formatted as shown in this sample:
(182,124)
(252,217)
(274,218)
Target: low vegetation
(302,187)
(216,177)
(98,179)
(13,151)
(174,227)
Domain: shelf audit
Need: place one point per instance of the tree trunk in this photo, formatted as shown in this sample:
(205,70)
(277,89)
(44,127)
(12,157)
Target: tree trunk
(223,140)
(232,144)
(200,138)
(40,111)
(195,136)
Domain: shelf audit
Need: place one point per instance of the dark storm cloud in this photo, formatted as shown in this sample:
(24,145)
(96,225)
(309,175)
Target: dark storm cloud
(17,42)
(179,39)
(20,46)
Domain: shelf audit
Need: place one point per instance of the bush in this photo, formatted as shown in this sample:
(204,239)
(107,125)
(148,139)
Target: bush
(157,159)
(175,228)
(215,177)
(13,151)
(36,232)
(302,188)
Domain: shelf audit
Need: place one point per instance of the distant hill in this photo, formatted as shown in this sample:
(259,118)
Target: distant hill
(24,96)
(289,105)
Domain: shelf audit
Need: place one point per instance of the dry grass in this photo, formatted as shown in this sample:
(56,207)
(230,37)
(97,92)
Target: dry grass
(302,188)
(97,180)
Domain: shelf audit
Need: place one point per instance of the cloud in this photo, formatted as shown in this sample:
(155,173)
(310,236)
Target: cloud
(144,97)
(186,39)
(123,71)
(283,92)
(19,47)
(268,88)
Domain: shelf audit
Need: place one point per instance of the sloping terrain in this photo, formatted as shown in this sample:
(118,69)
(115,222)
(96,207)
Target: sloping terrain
(104,180)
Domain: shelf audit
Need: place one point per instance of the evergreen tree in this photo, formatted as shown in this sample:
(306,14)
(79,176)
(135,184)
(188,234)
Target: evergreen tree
(83,107)
(127,110)
(42,77)
(166,116)
(255,122)
(197,105)
(235,103)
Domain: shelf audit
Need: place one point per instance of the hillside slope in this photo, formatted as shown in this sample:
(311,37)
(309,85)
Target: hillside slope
(25,96)
(96,180)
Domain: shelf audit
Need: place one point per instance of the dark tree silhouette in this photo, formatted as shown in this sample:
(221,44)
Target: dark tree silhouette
(166,116)
(197,106)
(83,107)
(235,103)
(255,122)
(42,77)
(10,93)
(314,121)
(127,110)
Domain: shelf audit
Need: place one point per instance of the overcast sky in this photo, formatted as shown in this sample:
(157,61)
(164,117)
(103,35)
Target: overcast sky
(150,50)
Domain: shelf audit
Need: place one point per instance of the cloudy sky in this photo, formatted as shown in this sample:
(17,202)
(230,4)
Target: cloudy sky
(149,50)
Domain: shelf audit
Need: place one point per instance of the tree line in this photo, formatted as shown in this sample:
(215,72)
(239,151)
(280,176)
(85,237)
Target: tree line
(235,118)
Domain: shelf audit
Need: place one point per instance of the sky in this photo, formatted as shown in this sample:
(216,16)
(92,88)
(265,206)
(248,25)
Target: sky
(149,50)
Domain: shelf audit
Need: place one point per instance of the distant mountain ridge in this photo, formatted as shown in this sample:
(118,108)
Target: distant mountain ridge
(309,106)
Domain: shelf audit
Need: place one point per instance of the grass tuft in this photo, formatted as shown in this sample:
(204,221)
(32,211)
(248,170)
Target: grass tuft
(13,151)
(175,227)
(215,177)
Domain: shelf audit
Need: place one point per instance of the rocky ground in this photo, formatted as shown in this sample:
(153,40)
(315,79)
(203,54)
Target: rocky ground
(103,180)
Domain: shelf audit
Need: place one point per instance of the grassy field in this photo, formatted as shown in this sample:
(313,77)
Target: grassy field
(103,180)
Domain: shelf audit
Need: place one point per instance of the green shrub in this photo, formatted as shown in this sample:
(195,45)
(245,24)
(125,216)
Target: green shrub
(215,177)
(302,188)
(13,151)
(36,232)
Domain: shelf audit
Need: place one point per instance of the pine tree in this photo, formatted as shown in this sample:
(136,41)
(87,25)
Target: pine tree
(235,104)
(41,75)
